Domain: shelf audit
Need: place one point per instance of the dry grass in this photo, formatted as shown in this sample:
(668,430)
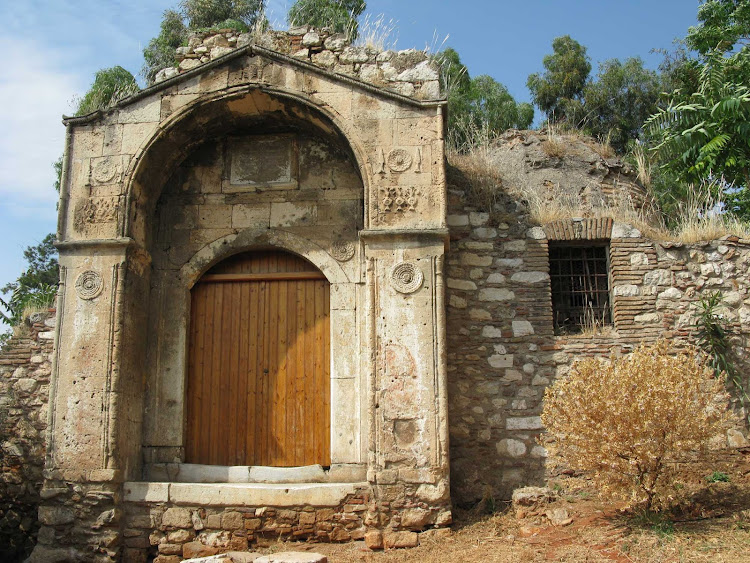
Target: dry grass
(547,204)
(378,33)
(485,184)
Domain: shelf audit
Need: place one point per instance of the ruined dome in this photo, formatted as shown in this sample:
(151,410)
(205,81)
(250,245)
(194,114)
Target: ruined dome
(568,170)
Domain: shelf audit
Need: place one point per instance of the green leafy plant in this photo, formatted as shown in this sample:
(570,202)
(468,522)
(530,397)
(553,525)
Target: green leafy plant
(160,52)
(36,287)
(207,13)
(110,86)
(718,477)
(703,135)
(339,15)
(714,338)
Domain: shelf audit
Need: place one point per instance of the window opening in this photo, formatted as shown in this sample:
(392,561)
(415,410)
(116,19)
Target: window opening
(579,277)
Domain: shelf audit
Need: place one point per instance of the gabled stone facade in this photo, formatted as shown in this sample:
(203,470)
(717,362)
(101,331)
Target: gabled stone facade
(253,151)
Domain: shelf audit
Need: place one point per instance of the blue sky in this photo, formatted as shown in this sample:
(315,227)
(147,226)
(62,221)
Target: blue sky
(52,48)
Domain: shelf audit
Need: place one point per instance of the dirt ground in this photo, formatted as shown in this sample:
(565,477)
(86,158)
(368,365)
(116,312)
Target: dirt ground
(711,525)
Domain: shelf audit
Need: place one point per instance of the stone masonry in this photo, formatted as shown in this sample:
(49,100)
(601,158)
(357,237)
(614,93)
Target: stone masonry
(407,72)
(24,393)
(502,349)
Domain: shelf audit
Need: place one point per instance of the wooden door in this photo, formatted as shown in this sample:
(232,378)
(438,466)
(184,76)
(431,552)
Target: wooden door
(258,389)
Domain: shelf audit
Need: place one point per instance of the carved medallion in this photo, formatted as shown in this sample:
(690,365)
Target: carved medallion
(342,250)
(399,160)
(406,277)
(399,199)
(104,170)
(89,284)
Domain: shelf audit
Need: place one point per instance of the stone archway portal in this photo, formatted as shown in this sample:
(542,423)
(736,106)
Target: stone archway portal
(258,389)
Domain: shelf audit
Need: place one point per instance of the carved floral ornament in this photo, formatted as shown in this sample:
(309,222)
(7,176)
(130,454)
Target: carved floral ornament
(400,160)
(342,250)
(407,277)
(399,199)
(89,284)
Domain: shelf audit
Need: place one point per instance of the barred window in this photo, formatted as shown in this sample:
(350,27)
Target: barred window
(579,275)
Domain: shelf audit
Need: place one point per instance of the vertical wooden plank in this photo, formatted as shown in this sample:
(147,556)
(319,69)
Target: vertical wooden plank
(273,372)
(318,382)
(242,373)
(210,368)
(234,375)
(327,373)
(262,394)
(281,391)
(310,352)
(253,375)
(291,372)
(299,399)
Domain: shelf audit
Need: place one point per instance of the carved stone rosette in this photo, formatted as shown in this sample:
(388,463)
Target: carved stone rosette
(406,277)
(399,160)
(89,284)
(342,250)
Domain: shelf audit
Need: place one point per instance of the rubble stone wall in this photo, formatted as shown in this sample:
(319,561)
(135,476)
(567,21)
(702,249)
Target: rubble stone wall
(24,391)
(502,351)
(407,72)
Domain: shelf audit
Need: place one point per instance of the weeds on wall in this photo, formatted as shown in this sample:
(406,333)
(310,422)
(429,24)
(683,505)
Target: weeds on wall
(714,337)
(627,421)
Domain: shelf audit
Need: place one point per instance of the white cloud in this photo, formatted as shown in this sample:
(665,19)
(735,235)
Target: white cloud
(35,90)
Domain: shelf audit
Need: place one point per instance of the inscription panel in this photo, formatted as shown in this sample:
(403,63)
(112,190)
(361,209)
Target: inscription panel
(262,162)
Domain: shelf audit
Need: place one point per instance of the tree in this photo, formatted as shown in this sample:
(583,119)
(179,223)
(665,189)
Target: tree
(109,87)
(37,284)
(559,91)
(479,108)
(622,98)
(705,135)
(160,52)
(339,15)
(723,24)
(208,13)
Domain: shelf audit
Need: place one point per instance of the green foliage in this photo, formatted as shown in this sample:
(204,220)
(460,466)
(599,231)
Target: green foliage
(658,522)
(57,165)
(723,24)
(339,15)
(705,135)
(200,15)
(479,108)
(37,284)
(714,339)
(559,91)
(616,105)
(208,13)
(717,477)
(160,52)
(110,86)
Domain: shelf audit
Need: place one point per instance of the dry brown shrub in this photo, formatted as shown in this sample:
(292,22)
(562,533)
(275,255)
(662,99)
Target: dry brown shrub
(627,421)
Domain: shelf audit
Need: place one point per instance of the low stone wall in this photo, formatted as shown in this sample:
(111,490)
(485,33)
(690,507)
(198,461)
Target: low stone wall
(502,351)
(407,72)
(24,390)
(161,521)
